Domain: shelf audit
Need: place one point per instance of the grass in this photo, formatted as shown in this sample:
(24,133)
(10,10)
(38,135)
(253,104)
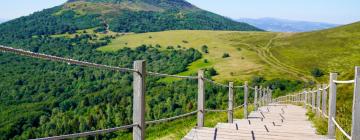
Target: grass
(179,128)
(242,64)
(331,50)
(272,55)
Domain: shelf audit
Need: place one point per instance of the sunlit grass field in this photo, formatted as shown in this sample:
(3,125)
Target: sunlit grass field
(242,64)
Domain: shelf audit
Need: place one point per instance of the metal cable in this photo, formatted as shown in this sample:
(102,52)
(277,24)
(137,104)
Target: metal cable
(212,110)
(171,118)
(90,133)
(169,75)
(344,82)
(341,129)
(240,106)
(216,83)
(61,59)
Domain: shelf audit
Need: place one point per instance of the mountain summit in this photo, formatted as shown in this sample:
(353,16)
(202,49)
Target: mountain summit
(120,16)
(166,4)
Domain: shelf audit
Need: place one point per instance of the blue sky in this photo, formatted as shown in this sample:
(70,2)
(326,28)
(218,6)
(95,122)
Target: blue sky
(332,11)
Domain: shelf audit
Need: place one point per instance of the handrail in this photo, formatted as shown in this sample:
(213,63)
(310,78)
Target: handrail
(240,106)
(169,75)
(171,118)
(341,129)
(344,82)
(215,110)
(89,64)
(89,133)
(216,83)
(61,59)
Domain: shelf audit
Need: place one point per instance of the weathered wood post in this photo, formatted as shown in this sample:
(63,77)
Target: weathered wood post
(255,98)
(231,102)
(270,96)
(305,99)
(324,99)
(313,99)
(260,96)
(139,100)
(201,99)
(246,92)
(265,96)
(318,99)
(355,128)
(332,106)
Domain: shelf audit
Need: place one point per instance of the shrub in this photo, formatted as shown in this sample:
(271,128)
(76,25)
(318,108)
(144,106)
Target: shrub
(212,71)
(206,61)
(225,55)
(205,49)
(316,72)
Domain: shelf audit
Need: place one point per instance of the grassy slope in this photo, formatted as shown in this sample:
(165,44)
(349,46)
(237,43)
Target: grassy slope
(331,50)
(241,65)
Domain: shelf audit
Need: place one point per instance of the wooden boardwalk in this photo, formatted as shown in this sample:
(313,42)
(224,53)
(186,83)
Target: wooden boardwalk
(273,122)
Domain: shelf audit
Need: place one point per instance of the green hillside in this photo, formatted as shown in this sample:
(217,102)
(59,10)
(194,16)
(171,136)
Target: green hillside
(40,98)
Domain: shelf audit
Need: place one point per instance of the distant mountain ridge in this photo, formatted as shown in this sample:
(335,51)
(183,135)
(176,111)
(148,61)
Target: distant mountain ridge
(3,20)
(284,25)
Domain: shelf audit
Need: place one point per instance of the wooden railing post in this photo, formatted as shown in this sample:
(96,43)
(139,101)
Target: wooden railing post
(355,129)
(313,100)
(305,99)
(139,100)
(201,99)
(246,92)
(255,98)
(231,102)
(270,96)
(324,99)
(332,106)
(318,99)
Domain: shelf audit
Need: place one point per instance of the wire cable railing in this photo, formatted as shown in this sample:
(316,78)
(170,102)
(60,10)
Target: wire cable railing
(114,68)
(344,82)
(171,118)
(174,76)
(341,129)
(61,59)
(89,133)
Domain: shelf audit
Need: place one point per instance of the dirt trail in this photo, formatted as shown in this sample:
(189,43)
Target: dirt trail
(264,52)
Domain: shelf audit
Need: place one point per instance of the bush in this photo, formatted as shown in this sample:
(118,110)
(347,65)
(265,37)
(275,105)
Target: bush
(316,72)
(204,49)
(225,55)
(211,71)
(206,61)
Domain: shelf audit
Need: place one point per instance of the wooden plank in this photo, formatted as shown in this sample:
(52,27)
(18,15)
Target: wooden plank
(296,126)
